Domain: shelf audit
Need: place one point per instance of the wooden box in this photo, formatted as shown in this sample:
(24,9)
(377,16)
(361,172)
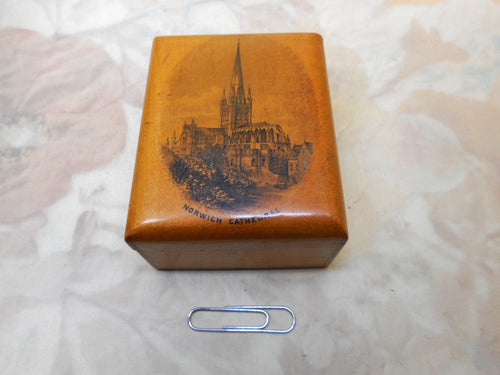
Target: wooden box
(237,165)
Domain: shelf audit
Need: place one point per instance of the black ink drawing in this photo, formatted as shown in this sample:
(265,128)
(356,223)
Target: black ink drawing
(231,166)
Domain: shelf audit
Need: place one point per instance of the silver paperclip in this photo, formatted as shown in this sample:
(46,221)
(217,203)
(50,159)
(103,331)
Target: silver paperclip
(258,309)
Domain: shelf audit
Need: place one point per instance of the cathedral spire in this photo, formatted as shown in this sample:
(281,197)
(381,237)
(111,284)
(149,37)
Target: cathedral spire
(237,78)
(236,110)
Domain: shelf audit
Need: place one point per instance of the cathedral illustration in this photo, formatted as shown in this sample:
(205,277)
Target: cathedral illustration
(261,153)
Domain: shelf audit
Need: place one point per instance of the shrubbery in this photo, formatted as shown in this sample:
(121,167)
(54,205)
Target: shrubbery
(208,180)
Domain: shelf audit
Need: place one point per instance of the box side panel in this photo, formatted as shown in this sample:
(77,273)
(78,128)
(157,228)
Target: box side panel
(241,254)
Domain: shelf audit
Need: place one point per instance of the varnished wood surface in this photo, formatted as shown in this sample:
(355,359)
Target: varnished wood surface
(287,75)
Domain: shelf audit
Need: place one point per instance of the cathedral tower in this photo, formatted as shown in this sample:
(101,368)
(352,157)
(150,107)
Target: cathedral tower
(236,110)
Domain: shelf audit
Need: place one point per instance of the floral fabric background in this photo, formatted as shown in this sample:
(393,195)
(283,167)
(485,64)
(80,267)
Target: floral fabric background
(415,88)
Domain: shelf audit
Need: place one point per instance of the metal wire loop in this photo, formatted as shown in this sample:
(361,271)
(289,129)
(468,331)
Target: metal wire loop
(257,309)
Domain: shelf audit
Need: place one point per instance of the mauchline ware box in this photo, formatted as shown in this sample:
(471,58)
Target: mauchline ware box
(237,163)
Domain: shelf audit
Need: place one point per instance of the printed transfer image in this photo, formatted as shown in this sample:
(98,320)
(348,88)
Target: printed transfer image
(234,160)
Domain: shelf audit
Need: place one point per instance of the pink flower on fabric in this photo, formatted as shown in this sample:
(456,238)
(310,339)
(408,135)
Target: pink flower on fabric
(60,114)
